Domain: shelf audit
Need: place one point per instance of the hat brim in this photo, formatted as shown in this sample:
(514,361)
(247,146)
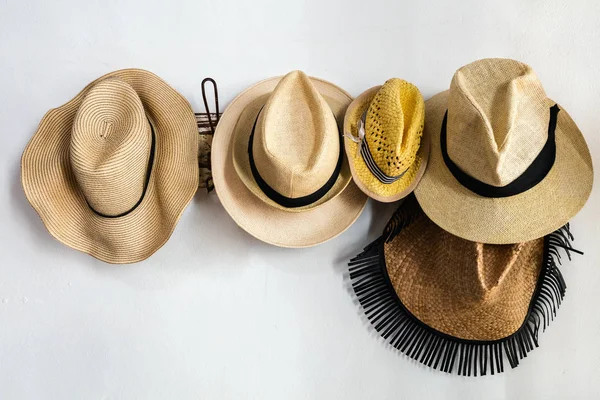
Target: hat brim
(427,267)
(51,187)
(363,177)
(448,302)
(338,102)
(529,215)
(257,217)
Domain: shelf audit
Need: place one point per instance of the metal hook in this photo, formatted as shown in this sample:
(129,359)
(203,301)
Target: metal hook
(216,93)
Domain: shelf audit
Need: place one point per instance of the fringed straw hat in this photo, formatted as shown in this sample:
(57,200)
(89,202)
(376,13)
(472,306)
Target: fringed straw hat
(383,139)
(507,164)
(111,171)
(457,305)
(278,164)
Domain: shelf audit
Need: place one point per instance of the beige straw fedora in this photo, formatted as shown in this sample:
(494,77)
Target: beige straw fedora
(507,164)
(111,171)
(383,130)
(278,164)
(448,302)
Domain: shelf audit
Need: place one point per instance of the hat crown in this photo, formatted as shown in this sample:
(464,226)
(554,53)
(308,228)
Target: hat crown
(110,147)
(394,126)
(494,261)
(482,268)
(498,116)
(297,142)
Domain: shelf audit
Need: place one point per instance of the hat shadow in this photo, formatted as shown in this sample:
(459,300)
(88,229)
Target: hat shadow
(24,211)
(215,218)
(379,214)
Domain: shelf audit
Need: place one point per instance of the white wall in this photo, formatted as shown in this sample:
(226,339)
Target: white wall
(215,314)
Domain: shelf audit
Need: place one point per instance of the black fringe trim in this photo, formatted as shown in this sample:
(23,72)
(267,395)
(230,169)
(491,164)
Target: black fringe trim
(397,325)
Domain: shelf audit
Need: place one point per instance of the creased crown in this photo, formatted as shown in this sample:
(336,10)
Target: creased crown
(296,144)
(110,146)
(394,125)
(483,267)
(497,119)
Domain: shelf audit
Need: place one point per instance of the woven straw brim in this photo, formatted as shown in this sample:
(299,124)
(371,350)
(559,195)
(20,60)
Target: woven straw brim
(338,102)
(529,215)
(52,190)
(363,177)
(435,276)
(270,224)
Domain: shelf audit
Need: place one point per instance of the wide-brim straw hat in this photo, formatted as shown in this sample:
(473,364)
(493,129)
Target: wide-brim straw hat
(111,171)
(514,166)
(457,305)
(245,199)
(362,172)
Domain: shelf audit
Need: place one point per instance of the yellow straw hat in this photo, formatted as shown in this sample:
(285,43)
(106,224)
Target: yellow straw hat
(454,304)
(278,164)
(507,164)
(383,139)
(111,171)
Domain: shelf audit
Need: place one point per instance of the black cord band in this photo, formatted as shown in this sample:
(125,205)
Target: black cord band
(148,173)
(292,202)
(367,156)
(533,175)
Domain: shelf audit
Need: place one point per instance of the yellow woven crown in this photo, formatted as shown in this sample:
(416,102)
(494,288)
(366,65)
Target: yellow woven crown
(394,125)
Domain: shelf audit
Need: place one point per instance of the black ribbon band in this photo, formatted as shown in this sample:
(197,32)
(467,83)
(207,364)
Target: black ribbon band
(148,173)
(367,156)
(533,175)
(292,202)
(365,152)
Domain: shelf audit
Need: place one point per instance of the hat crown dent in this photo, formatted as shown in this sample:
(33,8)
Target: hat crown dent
(498,116)
(110,147)
(494,262)
(394,126)
(482,267)
(296,145)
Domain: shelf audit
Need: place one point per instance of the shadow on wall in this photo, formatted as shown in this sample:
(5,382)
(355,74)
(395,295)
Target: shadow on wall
(23,211)
(379,215)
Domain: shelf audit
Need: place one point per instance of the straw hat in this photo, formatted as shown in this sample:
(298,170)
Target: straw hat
(383,129)
(507,164)
(277,162)
(111,171)
(446,301)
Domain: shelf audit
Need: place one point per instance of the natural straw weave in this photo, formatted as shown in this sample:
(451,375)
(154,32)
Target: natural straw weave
(95,149)
(393,134)
(497,119)
(205,137)
(251,212)
(296,142)
(465,289)
(110,146)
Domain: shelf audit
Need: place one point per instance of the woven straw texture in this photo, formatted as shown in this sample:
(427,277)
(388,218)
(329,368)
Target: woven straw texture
(518,218)
(393,133)
(205,137)
(496,109)
(95,149)
(465,289)
(252,212)
(296,142)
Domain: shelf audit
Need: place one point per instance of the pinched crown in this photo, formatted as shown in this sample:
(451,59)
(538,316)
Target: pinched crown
(394,126)
(498,117)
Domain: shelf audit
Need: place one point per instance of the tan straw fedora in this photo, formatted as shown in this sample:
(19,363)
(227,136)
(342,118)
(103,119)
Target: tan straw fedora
(448,302)
(278,164)
(383,130)
(111,171)
(507,164)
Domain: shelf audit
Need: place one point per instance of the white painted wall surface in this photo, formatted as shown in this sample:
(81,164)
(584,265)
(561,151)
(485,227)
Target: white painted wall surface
(215,314)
